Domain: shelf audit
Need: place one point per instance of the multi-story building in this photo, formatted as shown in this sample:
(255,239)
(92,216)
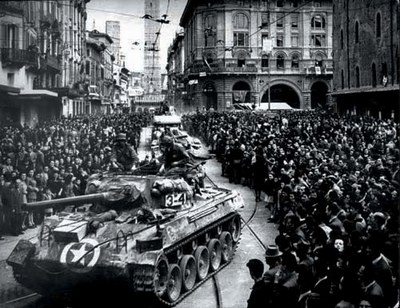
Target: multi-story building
(366,57)
(42,44)
(31,50)
(175,71)
(73,32)
(236,50)
(121,84)
(113,29)
(99,72)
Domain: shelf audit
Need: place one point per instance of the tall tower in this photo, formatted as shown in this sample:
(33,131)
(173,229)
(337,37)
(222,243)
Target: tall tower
(113,29)
(152,68)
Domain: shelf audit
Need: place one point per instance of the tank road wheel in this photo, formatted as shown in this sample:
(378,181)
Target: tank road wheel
(202,262)
(188,269)
(234,228)
(227,246)
(179,253)
(161,276)
(174,285)
(194,245)
(215,252)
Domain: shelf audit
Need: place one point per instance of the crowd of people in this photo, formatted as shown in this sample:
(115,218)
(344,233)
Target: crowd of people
(55,159)
(332,184)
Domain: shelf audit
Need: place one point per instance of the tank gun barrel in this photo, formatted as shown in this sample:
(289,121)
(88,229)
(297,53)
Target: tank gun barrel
(78,200)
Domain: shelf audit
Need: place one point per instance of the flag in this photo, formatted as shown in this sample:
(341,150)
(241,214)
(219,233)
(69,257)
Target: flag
(206,62)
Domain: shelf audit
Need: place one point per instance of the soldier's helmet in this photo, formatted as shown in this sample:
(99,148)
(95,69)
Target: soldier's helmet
(120,137)
(167,141)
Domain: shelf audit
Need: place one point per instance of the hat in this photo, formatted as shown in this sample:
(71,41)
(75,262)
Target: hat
(272,251)
(121,136)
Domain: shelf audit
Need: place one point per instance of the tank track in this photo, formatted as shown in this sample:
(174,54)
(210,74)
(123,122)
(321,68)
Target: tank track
(143,278)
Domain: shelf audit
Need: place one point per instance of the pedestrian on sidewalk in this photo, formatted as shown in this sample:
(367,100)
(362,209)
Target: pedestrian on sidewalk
(257,295)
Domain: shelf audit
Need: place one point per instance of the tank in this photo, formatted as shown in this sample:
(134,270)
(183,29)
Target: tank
(150,236)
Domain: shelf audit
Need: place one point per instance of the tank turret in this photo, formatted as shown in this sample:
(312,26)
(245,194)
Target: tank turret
(150,235)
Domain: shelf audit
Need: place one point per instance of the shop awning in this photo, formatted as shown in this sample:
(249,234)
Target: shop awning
(39,93)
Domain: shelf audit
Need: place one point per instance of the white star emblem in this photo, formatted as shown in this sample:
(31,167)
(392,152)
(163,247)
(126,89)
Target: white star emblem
(86,253)
(79,254)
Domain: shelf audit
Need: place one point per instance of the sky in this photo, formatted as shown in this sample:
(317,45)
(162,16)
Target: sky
(129,13)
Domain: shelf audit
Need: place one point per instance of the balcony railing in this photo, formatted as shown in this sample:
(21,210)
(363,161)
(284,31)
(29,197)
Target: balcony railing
(222,66)
(18,57)
(317,70)
(11,7)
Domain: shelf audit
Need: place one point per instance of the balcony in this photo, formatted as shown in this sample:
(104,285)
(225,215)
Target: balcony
(222,66)
(11,7)
(317,70)
(53,63)
(12,57)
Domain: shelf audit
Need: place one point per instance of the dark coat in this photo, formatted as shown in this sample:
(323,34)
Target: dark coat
(257,295)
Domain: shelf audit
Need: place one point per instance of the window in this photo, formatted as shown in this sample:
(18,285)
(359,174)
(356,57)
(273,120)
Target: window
(357,77)
(341,39)
(373,75)
(264,20)
(241,21)
(342,75)
(10,79)
(294,41)
(279,21)
(384,74)
(295,21)
(279,40)
(378,25)
(279,3)
(280,62)
(318,23)
(318,60)
(317,40)
(9,36)
(265,61)
(295,61)
(87,67)
(240,39)
(241,62)
(356,38)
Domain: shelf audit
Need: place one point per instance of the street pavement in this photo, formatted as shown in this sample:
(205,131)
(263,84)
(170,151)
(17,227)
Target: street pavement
(234,280)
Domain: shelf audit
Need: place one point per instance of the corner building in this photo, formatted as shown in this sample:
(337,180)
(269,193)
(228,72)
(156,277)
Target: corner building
(367,57)
(236,50)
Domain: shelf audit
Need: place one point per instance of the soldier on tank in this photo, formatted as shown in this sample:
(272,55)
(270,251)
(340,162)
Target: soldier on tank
(175,154)
(124,156)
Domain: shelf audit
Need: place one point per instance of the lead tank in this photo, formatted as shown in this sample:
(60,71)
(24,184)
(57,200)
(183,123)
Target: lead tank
(152,236)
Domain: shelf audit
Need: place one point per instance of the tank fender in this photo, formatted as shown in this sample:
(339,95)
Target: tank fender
(21,253)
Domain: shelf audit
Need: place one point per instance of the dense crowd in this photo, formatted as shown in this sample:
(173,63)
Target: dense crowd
(54,160)
(332,186)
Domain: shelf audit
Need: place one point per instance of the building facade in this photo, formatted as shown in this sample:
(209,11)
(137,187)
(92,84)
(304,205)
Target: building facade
(113,29)
(236,50)
(175,69)
(73,90)
(366,57)
(41,76)
(99,72)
